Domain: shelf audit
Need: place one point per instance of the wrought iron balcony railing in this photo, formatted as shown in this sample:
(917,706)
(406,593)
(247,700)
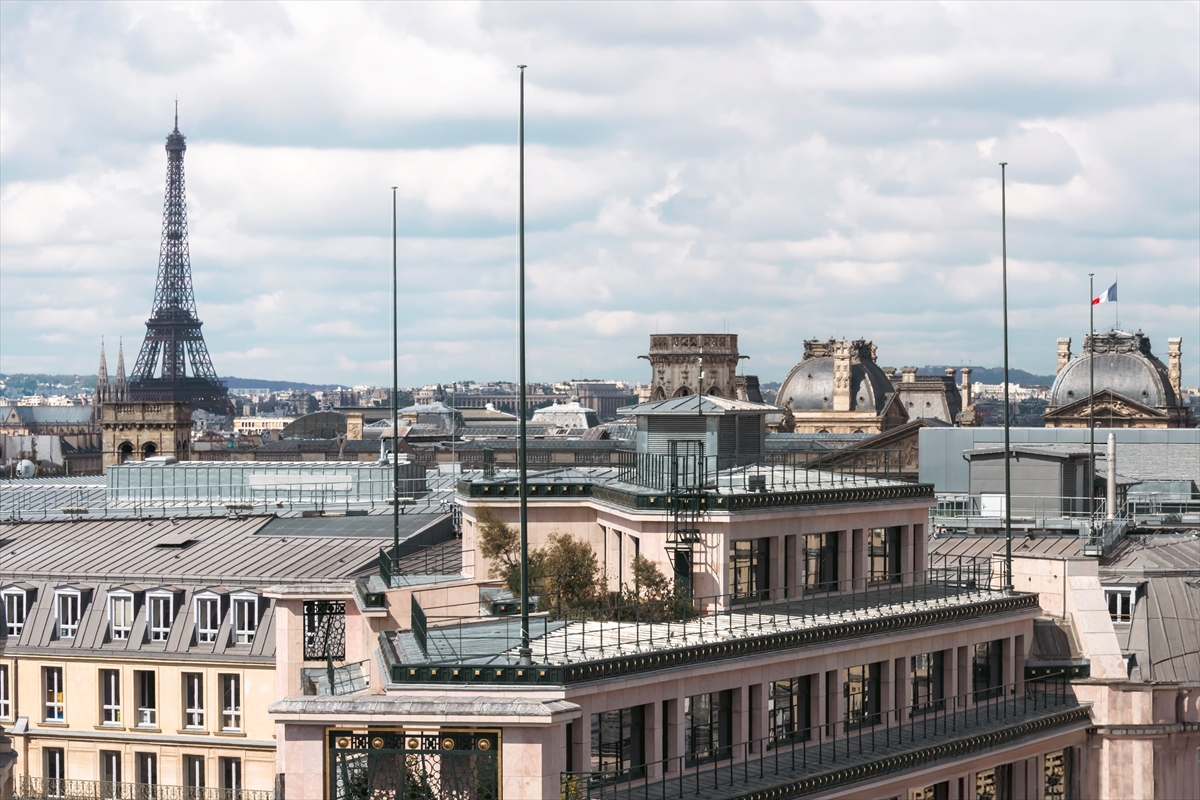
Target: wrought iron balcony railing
(848,751)
(29,788)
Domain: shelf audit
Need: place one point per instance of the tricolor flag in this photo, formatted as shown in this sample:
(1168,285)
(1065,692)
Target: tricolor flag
(1108,297)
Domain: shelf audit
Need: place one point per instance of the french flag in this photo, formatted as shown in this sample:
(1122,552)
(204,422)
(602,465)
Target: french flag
(1108,297)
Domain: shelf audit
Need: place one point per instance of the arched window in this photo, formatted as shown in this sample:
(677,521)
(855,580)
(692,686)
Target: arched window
(125,451)
(149,449)
(682,391)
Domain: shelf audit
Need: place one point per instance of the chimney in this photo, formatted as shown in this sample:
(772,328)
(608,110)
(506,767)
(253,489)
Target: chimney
(966,387)
(1175,366)
(1064,352)
(1112,475)
(841,376)
(354,426)
(909,374)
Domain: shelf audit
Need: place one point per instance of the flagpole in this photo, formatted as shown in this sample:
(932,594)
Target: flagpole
(1008,583)
(1092,403)
(524,653)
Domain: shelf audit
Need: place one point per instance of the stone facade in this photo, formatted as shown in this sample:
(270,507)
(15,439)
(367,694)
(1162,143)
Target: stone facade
(693,363)
(135,431)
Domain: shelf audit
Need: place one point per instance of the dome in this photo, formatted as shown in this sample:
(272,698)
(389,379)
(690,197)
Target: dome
(809,386)
(1124,365)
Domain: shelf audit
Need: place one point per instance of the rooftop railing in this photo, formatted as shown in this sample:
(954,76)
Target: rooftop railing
(29,788)
(865,744)
(760,472)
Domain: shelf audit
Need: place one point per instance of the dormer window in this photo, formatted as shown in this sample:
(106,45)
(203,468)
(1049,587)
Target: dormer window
(1120,602)
(161,614)
(208,617)
(66,612)
(245,618)
(120,615)
(14,611)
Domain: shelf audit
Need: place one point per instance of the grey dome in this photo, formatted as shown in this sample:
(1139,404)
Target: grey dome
(809,386)
(1124,365)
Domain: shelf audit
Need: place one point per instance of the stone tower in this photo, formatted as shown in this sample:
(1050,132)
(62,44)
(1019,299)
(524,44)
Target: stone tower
(693,363)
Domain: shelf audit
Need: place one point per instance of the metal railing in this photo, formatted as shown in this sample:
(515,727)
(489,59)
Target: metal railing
(29,788)
(788,755)
(767,472)
(1024,507)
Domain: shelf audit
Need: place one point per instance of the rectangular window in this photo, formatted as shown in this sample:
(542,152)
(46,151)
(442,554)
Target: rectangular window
(208,619)
(231,774)
(193,700)
(1120,604)
(928,682)
(110,697)
(708,726)
(231,703)
(862,693)
(618,742)
(193,774)
(162,612)
(120,616)
(985,670)
(110,772)
(883,555)
(66,610)
(788,709)
(54,767)
(245,620)
(14,613)
(52,685)
(820,561)
(147,769)
(748,563)
(5,696)
(147,698)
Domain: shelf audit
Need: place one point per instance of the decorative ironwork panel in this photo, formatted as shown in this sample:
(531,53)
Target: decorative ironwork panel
(324,630)
(399,765)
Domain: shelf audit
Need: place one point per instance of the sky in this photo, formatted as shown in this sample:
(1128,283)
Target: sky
(782,171)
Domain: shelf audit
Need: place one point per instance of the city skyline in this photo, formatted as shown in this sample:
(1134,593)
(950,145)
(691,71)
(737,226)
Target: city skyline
(738,170)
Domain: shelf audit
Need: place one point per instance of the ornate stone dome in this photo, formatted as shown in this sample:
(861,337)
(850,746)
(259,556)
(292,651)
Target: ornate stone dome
(809,386)
(1124,365)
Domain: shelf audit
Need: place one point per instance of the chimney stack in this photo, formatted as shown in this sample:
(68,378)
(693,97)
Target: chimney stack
(909,374)
(841,376)
(1112,475)
(966,387)
(1175,366)
(1064,352)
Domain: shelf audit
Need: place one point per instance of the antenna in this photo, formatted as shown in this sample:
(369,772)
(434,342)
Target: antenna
(176,112)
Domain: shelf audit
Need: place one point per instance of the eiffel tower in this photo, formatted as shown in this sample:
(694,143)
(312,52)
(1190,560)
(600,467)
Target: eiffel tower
(173,337)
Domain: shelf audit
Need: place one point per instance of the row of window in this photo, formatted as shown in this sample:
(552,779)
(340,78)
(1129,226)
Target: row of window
(145,701)
(145,769)
(749,560)
(618,736)
(161,607)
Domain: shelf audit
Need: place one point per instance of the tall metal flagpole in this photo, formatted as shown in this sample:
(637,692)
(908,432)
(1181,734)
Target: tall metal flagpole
(395,400)
(1008,584)
(1092,403)
(525,654)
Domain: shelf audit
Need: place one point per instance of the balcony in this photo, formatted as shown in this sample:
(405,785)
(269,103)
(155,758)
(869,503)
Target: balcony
(63,789)
(849,751)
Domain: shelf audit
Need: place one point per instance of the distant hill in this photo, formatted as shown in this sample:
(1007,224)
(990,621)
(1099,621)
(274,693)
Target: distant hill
(992,375)
(278,386)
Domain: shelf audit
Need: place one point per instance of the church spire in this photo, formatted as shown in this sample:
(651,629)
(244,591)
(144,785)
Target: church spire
(102,385)
(119,391)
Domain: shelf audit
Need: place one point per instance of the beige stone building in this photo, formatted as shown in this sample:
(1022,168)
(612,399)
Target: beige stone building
(135,431)
(693,363)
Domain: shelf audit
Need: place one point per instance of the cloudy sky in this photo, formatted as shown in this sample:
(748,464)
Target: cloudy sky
(780,171)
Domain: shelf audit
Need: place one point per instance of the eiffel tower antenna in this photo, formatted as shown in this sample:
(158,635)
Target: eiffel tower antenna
(173,338)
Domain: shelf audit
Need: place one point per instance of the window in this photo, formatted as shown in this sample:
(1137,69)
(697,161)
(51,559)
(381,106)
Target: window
(120,615)
(52,685)
(231,703)
(193,700)
(324,630)
(883,555)
(748,562)
(231,774)
(5,697)
(147,768)
(820,561)
(66,610)
(162,613)
(14,612)
(618,743)
(245,619)
(110,771)
(862,693)
(1120,604)
(788,710)
(208,618)
(926,672)
(708,726)
(54,767)
(110,697)
(985,670)
(147,707)
(193,774)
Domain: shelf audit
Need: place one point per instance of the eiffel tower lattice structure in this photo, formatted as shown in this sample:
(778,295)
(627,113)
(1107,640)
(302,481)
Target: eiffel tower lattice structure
(173,338)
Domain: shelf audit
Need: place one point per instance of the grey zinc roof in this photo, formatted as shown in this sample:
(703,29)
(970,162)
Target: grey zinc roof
(980,545)
(708,404)
(1154,554)
(1165,631)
